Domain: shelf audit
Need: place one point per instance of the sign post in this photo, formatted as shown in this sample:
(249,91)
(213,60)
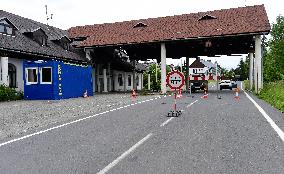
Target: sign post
(175,80)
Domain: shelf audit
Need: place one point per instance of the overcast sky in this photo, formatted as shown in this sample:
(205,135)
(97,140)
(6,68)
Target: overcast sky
(69,13)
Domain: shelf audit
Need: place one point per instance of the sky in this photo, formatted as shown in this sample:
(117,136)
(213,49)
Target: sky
(70,13)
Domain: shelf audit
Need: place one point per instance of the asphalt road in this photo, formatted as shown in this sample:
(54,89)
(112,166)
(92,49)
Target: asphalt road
(211,136)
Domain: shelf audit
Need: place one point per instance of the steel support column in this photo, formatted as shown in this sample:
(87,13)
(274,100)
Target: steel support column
(105,80)
(258,62)
(251,65)
(187,73)
(163,68)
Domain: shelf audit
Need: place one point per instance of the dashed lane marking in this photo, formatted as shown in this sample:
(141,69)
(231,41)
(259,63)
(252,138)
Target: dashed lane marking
(66,124)
(122,156)
(191,103)
(166,122)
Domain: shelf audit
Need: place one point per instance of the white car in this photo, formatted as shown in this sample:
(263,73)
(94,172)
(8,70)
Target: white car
(226,84)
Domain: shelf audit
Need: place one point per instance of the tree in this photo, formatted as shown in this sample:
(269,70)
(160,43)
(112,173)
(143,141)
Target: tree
(242,69)
(273,58)
(152,71)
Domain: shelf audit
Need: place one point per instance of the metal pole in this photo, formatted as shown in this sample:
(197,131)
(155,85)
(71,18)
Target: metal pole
(149,81)
(156,71)
(217,78)
(175,105)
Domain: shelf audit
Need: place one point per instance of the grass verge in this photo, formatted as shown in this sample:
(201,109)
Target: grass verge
(273,93)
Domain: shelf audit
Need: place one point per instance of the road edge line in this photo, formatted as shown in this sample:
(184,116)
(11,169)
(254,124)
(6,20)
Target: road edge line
(268,119)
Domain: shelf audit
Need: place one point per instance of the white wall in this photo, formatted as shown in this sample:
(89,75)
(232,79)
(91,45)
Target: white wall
(128,88)
(20,79)
(19,72)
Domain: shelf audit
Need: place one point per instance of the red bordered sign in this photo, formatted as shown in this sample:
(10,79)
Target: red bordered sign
(175,80)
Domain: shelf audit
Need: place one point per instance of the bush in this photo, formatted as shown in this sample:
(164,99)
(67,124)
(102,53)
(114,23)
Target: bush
(273,93)
(8,94)
(246,84)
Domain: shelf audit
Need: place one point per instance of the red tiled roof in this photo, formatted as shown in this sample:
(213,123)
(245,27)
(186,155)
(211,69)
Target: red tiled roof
(242,20)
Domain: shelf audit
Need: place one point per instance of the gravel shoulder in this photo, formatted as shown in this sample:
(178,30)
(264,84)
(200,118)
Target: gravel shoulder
(19,117)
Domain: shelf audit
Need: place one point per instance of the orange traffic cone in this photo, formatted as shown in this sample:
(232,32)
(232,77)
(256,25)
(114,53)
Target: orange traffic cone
(133,95)
(205,96)
(179,94)
(237,90)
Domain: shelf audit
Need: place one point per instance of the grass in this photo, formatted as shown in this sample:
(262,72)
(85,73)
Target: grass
(273,93)
(246,84)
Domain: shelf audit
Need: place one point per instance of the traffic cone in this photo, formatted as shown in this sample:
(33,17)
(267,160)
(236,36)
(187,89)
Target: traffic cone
(179,94)
(133,95)
(237,90)
(205,96)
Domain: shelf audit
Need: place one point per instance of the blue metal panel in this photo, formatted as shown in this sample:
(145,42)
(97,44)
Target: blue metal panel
(68,81)
(38,91)
(75,80)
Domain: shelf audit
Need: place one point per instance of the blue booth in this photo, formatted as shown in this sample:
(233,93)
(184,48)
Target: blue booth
(54,80)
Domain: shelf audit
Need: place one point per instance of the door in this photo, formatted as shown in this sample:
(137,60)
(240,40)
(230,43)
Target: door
(12,73)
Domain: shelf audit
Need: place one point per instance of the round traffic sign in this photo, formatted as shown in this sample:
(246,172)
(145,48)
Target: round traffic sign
(175,79)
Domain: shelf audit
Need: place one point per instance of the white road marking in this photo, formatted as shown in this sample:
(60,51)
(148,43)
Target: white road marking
(269,120)
(65,124)
(241,85)
(166,122)
(191,103)
(126,153)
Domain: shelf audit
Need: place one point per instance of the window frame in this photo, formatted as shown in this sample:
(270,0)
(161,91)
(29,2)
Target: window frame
(5,29)
(27,77)
(46,83)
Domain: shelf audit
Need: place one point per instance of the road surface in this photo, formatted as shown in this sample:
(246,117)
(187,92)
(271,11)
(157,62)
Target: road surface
(211,136)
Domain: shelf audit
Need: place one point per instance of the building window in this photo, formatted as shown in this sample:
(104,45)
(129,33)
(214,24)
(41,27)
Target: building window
(31,75)
(129,80)
(46,75)
(6,28)
(41,40)
(120,80)
(66,46)
(12,73)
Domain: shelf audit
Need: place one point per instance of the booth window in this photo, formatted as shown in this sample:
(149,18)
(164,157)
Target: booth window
(46,75)
(31,74)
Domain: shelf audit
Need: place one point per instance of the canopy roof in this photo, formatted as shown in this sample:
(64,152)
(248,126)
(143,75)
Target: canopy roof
(226,22)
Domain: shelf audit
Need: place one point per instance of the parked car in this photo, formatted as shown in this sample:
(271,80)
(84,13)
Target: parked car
(226,84)
(234,84)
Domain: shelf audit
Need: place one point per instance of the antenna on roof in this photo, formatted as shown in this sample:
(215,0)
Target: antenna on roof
(47,17)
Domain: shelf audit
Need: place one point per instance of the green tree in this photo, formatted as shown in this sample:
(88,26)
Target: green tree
(273,59)
(152,71)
